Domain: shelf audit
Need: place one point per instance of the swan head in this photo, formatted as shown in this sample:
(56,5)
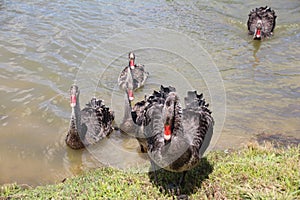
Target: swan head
(258,29)
(74,93)
(131,57)
(169,114)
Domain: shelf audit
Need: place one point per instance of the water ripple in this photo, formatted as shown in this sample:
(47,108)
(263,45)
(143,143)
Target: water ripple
(46,45)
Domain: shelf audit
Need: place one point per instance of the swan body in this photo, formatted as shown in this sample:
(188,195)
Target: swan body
(173,135)
(89,125)
(261,22)
(132,76)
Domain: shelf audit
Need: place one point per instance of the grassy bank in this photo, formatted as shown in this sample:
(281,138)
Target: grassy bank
(253,172)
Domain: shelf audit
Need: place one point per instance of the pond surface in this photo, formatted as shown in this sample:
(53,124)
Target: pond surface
(253,87)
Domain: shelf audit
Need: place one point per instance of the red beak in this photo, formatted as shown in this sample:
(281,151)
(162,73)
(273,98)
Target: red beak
(73,100)
(257,33)
(131,63)
(130,95)
(167,132)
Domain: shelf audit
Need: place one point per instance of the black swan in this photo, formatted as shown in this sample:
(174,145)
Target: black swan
(174,135)
(89,125)
(132,77)
(261,22)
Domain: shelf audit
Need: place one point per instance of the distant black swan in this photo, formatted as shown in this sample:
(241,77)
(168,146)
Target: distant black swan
(89,125)
(261,22)
(132,77)
(174,136)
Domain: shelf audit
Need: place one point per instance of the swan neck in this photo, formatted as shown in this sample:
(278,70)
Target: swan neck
(127,107)
(75,117)
(177,119)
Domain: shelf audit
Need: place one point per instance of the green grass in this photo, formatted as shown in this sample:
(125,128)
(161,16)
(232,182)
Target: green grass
(253,172)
